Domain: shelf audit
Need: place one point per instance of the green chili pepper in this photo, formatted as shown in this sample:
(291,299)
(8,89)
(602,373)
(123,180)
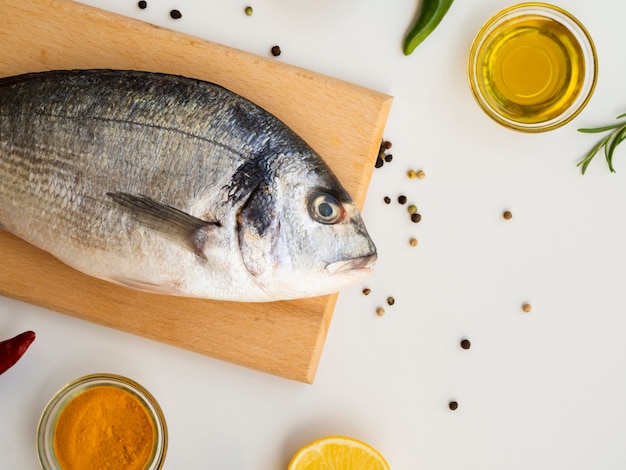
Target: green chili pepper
(430,15)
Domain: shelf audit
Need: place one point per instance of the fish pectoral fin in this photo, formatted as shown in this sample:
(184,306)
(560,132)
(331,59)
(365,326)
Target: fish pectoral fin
(145,286)
(189,231)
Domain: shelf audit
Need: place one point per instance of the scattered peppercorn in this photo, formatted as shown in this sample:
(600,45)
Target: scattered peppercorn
(453,405)
(387,200)
(465,344)
(142,4)
(421,175)
(380,311)
(249,11)
(276,51)
(415,218)
(527,308)
(391,300)
(413,242)
(507,215)
(367,291)
(402,199)
(176,14)
(411,174)
(412,209)
(382,157)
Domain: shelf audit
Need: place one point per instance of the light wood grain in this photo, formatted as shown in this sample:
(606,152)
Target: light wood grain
(342,121)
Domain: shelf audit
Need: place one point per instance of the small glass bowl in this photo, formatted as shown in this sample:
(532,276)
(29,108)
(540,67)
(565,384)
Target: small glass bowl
(52,411)
(562,82)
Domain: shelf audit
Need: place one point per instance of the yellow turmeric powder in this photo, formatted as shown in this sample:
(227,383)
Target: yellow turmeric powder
(104,427)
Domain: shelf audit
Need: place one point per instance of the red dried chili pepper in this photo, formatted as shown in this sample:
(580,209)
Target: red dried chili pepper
(12,349)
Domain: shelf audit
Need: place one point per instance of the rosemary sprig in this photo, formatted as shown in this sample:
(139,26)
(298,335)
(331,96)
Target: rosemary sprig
(610,142)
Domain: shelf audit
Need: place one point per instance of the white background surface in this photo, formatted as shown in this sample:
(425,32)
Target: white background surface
(543,390)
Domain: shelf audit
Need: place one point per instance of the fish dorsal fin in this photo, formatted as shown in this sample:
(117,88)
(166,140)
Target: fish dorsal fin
(176,225)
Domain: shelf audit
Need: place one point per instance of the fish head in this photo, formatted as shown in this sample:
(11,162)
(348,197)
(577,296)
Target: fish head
(303,235)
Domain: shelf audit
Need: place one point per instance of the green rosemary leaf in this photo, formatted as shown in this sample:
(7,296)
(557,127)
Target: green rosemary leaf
(622,135)
(587,160)
(610,143)
(609,146)
(596,130)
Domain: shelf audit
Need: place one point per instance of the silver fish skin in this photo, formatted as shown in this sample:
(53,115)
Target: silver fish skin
(173,185)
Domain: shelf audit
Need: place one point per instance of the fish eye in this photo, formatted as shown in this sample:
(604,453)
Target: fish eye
(325,209)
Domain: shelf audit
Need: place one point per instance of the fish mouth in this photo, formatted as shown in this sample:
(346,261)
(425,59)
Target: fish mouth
(364,263)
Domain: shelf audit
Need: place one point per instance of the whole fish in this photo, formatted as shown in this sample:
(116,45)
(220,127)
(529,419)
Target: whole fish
(173,185)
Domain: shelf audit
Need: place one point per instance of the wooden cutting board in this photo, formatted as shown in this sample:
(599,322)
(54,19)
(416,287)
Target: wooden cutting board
(342,121)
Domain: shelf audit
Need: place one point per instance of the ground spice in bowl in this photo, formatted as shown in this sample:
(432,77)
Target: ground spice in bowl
(102,421)
(103,427)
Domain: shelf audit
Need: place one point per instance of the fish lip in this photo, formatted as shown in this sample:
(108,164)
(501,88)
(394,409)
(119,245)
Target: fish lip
(363,263)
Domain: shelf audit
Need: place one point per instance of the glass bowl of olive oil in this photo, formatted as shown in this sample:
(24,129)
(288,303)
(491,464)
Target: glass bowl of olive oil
(533,67)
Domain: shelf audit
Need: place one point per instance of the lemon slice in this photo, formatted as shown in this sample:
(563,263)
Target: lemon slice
(337,453)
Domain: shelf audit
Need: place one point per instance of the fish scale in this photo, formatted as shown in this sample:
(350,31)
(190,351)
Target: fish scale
(49,180)
(175,186)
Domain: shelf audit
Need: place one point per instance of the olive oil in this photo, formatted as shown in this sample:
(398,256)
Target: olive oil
(533,69)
